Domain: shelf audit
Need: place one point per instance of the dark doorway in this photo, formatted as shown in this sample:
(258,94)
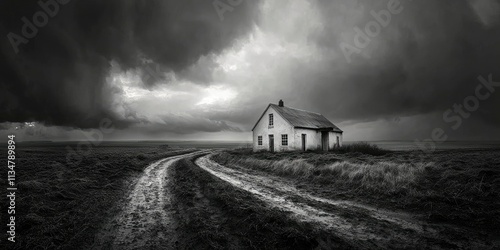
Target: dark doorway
(338,142)
(271,143)
(324,141)
(303,142)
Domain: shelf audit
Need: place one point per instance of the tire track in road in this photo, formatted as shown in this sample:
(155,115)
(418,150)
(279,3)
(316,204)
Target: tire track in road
(365,226)
(146,220)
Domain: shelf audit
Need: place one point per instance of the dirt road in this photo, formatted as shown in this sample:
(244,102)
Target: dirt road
(147,220)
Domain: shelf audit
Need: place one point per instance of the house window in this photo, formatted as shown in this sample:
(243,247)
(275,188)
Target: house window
(284,140)
(259,140)
(271,120)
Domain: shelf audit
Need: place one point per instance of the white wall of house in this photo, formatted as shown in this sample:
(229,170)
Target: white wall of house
(313,139)
(281,126)
(332,139)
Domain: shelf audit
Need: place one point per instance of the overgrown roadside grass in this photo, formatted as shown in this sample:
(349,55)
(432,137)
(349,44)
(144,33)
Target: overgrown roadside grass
(215,215)
(456,186)
(384,177)
(62,206)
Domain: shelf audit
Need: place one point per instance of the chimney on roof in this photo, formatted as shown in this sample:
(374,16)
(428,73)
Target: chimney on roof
(280,103)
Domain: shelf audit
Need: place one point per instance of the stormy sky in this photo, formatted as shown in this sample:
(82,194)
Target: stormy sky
(198,69)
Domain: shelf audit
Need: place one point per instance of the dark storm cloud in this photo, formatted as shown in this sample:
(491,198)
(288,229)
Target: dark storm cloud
(425,60)
(58,77)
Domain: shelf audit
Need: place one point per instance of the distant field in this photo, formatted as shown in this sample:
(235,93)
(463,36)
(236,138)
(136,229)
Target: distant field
(389,145)
(447,145)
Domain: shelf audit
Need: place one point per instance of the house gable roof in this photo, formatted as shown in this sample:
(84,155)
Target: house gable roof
(302,119)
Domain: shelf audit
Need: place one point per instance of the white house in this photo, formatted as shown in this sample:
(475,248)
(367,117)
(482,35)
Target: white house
(282,128)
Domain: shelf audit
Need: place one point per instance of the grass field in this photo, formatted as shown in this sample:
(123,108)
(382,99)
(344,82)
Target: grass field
(455,186)
(61,205)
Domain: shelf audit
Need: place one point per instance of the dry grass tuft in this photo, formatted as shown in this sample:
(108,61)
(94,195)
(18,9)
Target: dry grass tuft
(382,176)
(390,176)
